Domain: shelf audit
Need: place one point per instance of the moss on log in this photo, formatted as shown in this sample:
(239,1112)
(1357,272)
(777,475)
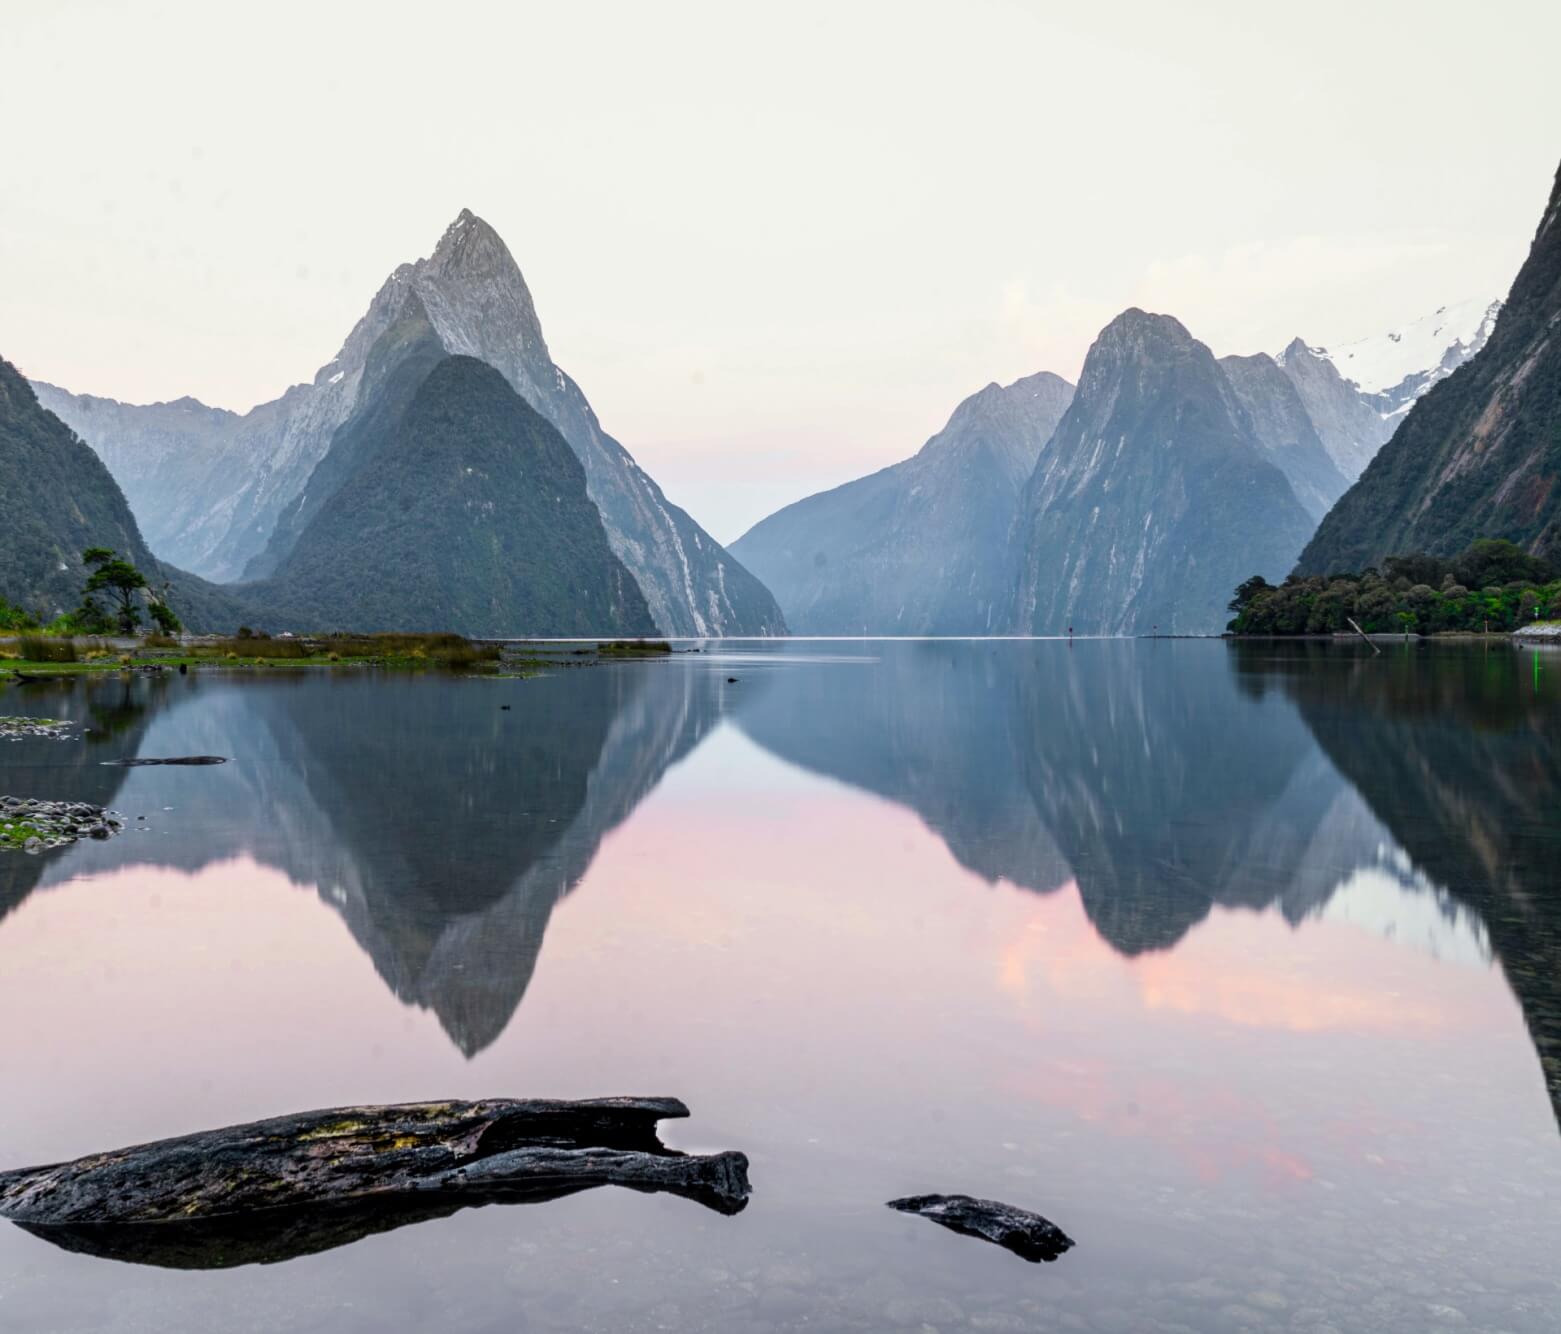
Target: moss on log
(293,1185)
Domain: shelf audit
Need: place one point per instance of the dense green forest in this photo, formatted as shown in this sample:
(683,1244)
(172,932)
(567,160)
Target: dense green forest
(462,508)
(1493,585)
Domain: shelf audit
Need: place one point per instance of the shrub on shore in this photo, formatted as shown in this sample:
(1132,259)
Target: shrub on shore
(1492,586)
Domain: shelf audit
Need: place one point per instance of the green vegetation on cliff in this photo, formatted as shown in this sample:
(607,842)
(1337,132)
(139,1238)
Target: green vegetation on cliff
(462,509)
(1480,454)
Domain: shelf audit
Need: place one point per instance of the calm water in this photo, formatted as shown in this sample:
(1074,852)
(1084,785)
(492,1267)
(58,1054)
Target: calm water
(1242,964)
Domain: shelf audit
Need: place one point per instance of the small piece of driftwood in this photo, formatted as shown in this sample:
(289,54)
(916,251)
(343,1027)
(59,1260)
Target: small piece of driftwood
(1018,1230)
(175,759)
(271,1190)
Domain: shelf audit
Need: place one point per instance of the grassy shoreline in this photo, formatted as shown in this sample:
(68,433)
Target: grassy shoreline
(33,655)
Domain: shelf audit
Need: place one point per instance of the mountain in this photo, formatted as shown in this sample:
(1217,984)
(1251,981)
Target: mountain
(1350,427)
(159,453)
(220,510)
(1155,497)
(920,547)
(57,499)
(1479,455)
(1285,431)
(457,506)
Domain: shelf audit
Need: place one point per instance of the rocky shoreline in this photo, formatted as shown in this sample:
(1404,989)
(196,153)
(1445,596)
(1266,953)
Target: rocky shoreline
(30,825)
(15,727)
(1548,632)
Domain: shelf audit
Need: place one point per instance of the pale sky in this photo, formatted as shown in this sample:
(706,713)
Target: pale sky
(775,244)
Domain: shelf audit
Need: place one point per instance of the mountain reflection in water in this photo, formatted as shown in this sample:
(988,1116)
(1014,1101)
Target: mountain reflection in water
(1232,959)
(444,831)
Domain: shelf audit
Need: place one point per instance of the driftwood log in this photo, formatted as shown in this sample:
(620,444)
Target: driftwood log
(1018,1230)
(176,759)
(294,1185)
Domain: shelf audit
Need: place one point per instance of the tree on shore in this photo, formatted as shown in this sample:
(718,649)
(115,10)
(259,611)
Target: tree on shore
(1492,585)
(124,586)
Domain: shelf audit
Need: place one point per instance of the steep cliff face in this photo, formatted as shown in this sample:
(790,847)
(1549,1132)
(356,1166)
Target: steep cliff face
(1480,454)
(920,547)
(1285,431)
(1154,498)
(220,513)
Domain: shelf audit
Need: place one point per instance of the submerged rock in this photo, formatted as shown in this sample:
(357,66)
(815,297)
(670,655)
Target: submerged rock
(1018,1230)
(293,1185)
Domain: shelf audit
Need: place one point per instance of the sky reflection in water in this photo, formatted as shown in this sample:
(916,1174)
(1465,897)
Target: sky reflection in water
(1233,961)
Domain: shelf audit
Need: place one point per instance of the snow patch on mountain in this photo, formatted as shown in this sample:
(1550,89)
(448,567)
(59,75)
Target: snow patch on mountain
(1397,367)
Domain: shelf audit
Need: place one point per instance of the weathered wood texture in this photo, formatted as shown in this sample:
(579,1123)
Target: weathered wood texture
(1018,1230)
(295,1184)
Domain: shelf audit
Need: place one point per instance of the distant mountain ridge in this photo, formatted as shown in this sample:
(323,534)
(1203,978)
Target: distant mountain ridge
(1479,454)
(218,509)
(920,547)
(159,453)
(933,545)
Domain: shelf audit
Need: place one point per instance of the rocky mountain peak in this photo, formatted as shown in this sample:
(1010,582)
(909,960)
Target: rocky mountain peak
(471,247)
(1043,385)
(477,298)
(1148,356)
(1142,339)
(1137,329)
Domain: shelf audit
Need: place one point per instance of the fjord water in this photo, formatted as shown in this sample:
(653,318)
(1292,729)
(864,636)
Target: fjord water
(1241,963)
